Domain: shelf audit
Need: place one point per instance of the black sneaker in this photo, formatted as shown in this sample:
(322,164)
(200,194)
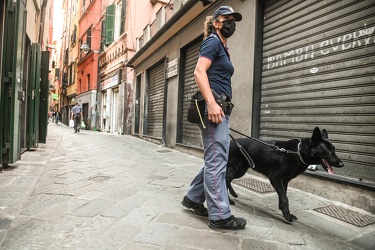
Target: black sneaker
(198,208)
(229,223)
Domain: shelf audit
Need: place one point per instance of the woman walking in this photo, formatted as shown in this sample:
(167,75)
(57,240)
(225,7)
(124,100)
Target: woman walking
(213,74)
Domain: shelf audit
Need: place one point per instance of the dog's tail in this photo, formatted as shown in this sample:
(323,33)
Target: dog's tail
(231,191)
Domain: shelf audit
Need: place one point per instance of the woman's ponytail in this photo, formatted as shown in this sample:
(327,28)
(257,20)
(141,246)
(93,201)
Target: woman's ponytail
(208,27)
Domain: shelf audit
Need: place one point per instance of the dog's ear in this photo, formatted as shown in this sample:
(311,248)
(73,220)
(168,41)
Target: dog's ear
(324,134)
(316,137)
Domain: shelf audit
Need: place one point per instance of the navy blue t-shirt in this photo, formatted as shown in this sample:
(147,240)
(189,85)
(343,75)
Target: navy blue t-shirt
(221,69)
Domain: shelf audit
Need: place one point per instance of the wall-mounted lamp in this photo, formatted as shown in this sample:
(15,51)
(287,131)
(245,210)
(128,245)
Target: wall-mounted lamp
(206,2)
(51,46)
(85,48)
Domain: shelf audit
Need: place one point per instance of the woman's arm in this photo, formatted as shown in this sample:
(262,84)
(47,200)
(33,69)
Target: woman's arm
(215,113)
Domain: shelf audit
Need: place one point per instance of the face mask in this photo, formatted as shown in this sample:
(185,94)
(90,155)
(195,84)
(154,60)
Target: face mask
(228,28)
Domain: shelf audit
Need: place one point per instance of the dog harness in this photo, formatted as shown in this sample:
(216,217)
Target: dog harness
(250,161)
(299,153)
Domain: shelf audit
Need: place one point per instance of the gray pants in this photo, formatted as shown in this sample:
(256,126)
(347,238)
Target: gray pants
(77,122)
(209,184)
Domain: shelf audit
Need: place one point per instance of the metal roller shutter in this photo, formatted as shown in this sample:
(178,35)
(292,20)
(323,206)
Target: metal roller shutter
(137,104)
(319,70)
(154,114)
(190,132)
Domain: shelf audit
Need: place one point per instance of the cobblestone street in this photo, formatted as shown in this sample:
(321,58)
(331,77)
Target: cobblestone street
(95,190)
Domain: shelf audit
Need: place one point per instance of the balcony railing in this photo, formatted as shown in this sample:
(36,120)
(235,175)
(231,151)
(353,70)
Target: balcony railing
(153,28)
(162,16)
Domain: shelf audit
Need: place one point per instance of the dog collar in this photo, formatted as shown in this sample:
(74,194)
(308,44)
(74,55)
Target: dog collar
(299,153)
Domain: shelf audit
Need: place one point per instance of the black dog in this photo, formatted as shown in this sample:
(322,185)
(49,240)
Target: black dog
(281,167)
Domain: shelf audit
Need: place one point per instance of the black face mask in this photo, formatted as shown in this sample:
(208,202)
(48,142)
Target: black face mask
(228,28)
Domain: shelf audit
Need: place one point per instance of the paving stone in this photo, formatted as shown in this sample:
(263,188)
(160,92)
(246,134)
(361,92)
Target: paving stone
(327,242)
(265,233)
(327,224)
(123,207)
(91,195)
(92,208)
(155,234)
(113,237)
(255,244)
(19,231)
(366,241)
(44,205)
(183,220)
(121,193)
(141,246)
(4,223)
(140,216)
(203,239)
(61,209)
(88,230)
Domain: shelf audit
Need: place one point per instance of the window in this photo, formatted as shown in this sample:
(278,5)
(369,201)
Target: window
(88,82)
(88,36)
(123,17)
(120,19)
(73,37)
(71,73)
(80,45)
(117,21)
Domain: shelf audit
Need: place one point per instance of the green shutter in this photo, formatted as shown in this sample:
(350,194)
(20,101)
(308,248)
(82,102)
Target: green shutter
(33,96)
(43,108)
(11,92)
(102,36)
(109,24)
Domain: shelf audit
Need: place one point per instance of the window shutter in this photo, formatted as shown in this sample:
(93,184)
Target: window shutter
(102,36)
(123,17)
(88,37)
(109,24)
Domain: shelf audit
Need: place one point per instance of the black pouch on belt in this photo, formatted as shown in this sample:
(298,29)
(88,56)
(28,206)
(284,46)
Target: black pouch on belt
(196,108)
(224,102)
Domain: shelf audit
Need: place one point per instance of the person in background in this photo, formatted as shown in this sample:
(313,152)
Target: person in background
(213,72)
(76,116)
(57,116)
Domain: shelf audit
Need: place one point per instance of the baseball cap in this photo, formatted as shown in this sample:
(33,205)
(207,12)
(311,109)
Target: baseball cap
(227,10)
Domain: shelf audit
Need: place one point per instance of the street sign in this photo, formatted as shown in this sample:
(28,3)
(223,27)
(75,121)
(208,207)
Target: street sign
(172,68)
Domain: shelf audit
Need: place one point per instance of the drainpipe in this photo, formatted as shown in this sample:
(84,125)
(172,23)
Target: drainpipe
(42,23)
(163,138)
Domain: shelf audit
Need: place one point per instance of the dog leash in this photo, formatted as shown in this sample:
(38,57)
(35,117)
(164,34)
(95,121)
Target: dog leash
(244,153)
(272,146)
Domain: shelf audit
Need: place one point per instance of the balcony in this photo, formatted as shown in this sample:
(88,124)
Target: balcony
(162,16)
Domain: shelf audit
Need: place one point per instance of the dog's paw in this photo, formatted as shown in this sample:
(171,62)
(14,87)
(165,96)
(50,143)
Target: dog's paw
(231,202)
(290,217)
(294,217)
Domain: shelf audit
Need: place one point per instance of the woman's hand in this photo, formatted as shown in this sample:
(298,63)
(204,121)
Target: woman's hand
(215,113)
